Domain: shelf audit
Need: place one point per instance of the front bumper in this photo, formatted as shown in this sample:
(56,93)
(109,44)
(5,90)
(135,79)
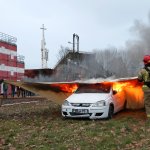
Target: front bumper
(93,112)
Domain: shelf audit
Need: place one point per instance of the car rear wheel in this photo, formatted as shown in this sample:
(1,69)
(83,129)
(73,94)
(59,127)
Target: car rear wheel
(110,112)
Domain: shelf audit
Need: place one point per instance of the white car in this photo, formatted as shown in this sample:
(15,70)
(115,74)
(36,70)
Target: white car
(93,101)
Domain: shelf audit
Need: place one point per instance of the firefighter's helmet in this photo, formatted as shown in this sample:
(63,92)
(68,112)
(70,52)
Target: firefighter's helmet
(146,59)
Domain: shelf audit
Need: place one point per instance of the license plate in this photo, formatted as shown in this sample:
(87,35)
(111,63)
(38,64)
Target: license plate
(82,111)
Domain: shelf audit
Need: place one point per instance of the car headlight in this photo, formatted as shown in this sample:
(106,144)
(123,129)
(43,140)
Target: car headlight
(66,103)
(99,104)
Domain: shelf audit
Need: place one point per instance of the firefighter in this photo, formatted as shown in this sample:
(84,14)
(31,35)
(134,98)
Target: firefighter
(144,74)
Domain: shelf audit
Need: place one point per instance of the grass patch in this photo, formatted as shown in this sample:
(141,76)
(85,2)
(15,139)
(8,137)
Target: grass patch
(40,126)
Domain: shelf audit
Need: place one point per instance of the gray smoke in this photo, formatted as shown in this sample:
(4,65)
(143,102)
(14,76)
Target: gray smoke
(124,62)
(78,68)
(138,47)
(127,61)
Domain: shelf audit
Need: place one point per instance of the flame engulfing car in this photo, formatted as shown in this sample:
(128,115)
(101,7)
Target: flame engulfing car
(93,101)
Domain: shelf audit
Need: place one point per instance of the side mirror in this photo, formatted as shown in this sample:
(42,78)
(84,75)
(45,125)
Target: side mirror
(114,92)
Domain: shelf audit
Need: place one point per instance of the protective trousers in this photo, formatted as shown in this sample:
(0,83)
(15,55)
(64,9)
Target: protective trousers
(147,102)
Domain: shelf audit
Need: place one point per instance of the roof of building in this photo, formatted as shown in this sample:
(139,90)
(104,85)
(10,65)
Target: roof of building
(70,55)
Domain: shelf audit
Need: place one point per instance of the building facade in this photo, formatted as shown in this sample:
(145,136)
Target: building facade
(11,64)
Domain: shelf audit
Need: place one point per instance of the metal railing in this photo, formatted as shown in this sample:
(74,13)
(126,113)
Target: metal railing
(7,38)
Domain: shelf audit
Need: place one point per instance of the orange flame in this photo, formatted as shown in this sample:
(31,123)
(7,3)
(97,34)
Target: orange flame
(119,86)
(133,93)
(134,97)
(70,88)
(129,91)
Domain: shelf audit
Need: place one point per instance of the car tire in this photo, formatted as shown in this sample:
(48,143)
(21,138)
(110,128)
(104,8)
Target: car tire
(110,112)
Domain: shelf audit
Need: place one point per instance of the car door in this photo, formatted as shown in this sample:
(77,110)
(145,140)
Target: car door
(119,97)
(115,101)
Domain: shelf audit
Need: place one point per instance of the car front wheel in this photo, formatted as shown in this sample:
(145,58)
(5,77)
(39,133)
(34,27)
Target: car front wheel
(110,112)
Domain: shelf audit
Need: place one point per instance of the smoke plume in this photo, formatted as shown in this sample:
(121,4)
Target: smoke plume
(127,61)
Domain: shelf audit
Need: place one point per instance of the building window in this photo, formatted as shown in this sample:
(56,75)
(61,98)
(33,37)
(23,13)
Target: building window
(2,66)
(11,73)
(12,56)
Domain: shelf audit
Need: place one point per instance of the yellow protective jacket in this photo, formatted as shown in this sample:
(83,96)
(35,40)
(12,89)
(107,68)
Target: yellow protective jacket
(144,75)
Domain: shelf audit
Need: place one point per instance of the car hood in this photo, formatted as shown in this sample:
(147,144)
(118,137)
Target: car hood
(87,97)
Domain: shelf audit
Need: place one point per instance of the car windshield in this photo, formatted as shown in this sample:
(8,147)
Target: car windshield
(95,88)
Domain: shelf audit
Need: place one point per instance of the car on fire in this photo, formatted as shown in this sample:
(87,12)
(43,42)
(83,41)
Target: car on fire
(93,101)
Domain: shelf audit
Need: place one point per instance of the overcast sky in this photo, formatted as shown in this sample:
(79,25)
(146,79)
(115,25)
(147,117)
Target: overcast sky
(99,23)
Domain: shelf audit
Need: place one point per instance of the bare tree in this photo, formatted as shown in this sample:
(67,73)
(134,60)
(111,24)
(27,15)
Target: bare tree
(62,52)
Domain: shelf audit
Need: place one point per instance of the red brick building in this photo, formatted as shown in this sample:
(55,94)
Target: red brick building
(11,64)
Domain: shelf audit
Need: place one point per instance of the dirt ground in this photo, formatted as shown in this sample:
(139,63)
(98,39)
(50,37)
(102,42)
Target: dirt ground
(139,114)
